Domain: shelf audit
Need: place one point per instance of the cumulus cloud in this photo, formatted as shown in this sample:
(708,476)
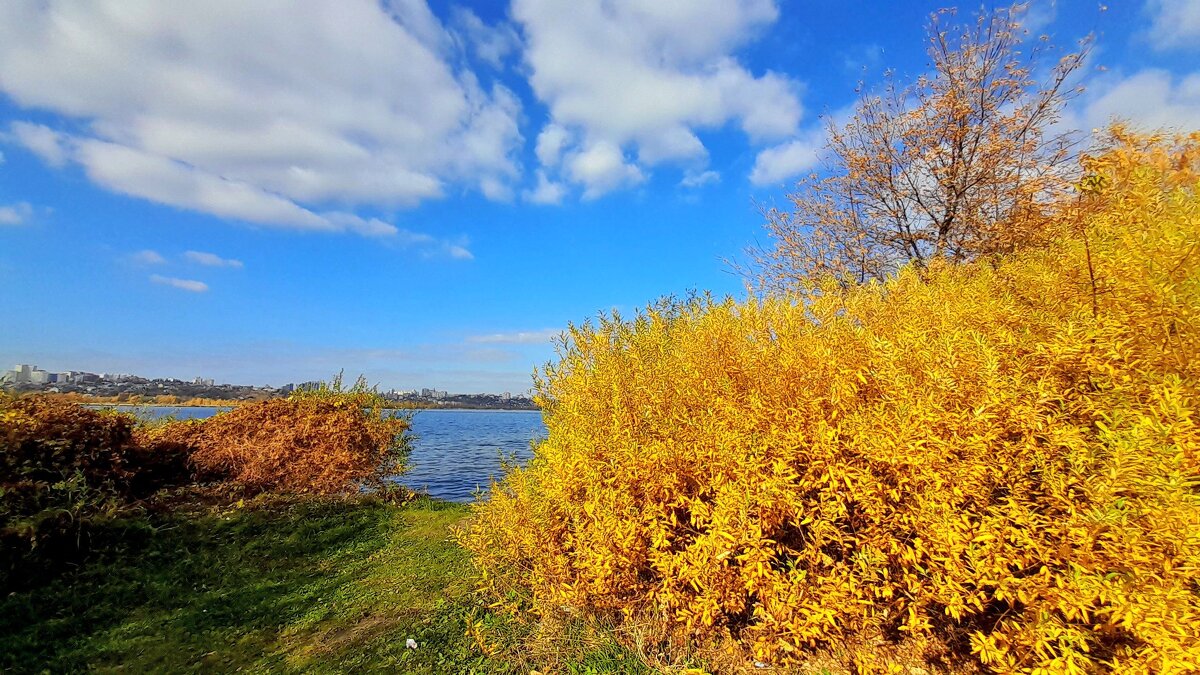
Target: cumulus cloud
(786,160)
(490,44)
(550,144)
(646,76)
(602,167)
(268,112)
(1148,99)
(41,141)
(147,257)
(1176,24)
(546,191)
(15,214)
(212,260)
(190,285)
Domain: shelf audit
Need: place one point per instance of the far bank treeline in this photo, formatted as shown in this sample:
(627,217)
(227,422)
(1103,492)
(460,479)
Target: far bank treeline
(458,401)
(66,469)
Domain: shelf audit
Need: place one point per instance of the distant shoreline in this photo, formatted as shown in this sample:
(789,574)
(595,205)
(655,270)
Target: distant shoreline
(234,404)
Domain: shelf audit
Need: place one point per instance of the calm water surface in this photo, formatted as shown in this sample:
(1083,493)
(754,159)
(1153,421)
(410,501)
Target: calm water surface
(456,452)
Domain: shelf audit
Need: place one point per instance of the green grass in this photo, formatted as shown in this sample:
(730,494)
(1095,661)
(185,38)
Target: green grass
(288,586)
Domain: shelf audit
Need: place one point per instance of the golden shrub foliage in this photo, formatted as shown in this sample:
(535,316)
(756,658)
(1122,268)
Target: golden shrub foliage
(311,442)
(999,457)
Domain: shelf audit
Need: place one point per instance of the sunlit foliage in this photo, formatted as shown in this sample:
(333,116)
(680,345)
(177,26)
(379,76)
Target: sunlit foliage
(996,461)
(959,163)
(324,440)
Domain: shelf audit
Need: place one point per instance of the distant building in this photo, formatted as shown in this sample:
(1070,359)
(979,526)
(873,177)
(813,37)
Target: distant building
(20,374)
(27,374)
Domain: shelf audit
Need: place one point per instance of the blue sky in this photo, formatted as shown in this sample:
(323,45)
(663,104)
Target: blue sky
(426,193)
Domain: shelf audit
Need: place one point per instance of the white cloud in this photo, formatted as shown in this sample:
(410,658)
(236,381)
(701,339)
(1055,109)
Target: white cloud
(182,284)
(212,259)
(550,144)
(1038,15)
(495,190)
(1176,24)
(155,177)
(546,191)
(41,141)
(695,179)
(491,44)
(787,160)
(646,76)
(601,168)
(1149,99)
(15,214)
(129,171)
(519,338)
(148,257)
(269,112)
(459,252)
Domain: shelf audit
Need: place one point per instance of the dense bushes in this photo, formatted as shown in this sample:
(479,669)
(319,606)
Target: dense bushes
(62,464)
(995,463)
(309,442)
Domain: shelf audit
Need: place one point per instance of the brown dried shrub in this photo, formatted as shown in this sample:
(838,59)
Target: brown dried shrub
(310,443)
(64,467)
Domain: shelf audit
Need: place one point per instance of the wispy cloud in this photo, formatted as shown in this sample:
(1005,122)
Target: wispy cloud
(182,284)
(695,179)
(147,257)
(459,252)
(518,338)
(212,260)
(15,214)
(1176,24)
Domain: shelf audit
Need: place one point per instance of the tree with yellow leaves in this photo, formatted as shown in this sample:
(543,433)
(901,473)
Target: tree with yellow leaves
(959,164)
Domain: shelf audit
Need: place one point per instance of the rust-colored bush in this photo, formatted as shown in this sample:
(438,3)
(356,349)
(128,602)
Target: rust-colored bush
(46,441)
(63,465)
(305,444)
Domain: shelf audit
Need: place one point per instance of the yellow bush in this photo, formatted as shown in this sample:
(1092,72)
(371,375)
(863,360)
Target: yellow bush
(1001,459)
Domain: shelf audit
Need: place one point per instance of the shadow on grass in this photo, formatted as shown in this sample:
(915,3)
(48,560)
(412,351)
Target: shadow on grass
(309,585)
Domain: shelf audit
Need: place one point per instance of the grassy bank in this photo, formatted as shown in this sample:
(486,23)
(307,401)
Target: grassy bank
(313,585)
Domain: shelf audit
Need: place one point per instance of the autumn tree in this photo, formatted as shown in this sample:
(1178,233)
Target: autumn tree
(962,162)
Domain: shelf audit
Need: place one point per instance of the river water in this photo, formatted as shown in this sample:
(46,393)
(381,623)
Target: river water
(455,453)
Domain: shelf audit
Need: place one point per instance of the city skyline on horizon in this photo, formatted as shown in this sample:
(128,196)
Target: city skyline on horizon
(6,377)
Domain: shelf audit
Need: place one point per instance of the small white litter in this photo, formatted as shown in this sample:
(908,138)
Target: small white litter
(760,664)
(410,643)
